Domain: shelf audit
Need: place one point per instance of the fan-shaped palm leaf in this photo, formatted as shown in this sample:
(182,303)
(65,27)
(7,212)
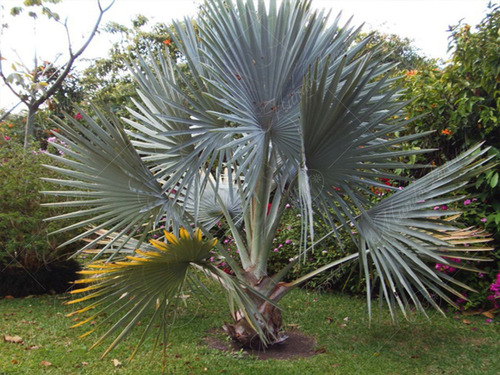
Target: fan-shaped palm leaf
(404,236)
(153,281)
(110,182)
(347,142)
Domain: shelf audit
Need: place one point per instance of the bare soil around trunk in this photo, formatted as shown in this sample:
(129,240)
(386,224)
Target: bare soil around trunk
(298,345)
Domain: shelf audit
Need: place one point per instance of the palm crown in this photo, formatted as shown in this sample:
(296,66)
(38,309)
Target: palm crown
(266,107)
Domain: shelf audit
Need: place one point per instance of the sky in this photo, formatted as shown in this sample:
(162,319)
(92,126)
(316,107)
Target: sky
(424,21)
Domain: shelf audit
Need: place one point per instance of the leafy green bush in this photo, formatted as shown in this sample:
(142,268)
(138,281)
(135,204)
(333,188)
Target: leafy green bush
(460,102)
(24,241)
(12,130)
(462,105)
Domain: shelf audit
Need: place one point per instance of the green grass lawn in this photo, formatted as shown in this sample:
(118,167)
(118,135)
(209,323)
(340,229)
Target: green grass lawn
(346,345)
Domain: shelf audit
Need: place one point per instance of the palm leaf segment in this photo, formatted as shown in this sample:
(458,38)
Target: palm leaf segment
(405,237)
(107,180)
(152,281)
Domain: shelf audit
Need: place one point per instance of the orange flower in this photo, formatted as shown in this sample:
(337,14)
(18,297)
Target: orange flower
(167,42)
(446,132)
(411,73)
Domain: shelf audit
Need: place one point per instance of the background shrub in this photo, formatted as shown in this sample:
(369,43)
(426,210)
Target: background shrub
(461,104)
(27,252)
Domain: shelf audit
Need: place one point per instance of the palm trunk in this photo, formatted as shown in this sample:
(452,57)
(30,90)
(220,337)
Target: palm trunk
(242,332)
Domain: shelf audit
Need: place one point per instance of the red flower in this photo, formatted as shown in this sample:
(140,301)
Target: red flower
(386,181)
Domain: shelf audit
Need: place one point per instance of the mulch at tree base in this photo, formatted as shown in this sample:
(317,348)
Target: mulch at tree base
(298,345)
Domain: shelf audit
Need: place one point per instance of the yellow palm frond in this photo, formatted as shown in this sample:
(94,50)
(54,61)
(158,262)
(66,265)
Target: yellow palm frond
(151,281)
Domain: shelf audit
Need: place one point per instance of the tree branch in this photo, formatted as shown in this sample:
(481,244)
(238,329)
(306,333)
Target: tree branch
(4,116)
(72,58)
(9,86)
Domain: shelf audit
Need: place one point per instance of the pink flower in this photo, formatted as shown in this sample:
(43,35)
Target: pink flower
(488,320)
(78,116)
(436,208)
(288,241)
(484,220)
(467,202)
(445,268)
(6,138)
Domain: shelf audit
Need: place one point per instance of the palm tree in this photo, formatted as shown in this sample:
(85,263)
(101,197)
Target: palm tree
(265,107)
